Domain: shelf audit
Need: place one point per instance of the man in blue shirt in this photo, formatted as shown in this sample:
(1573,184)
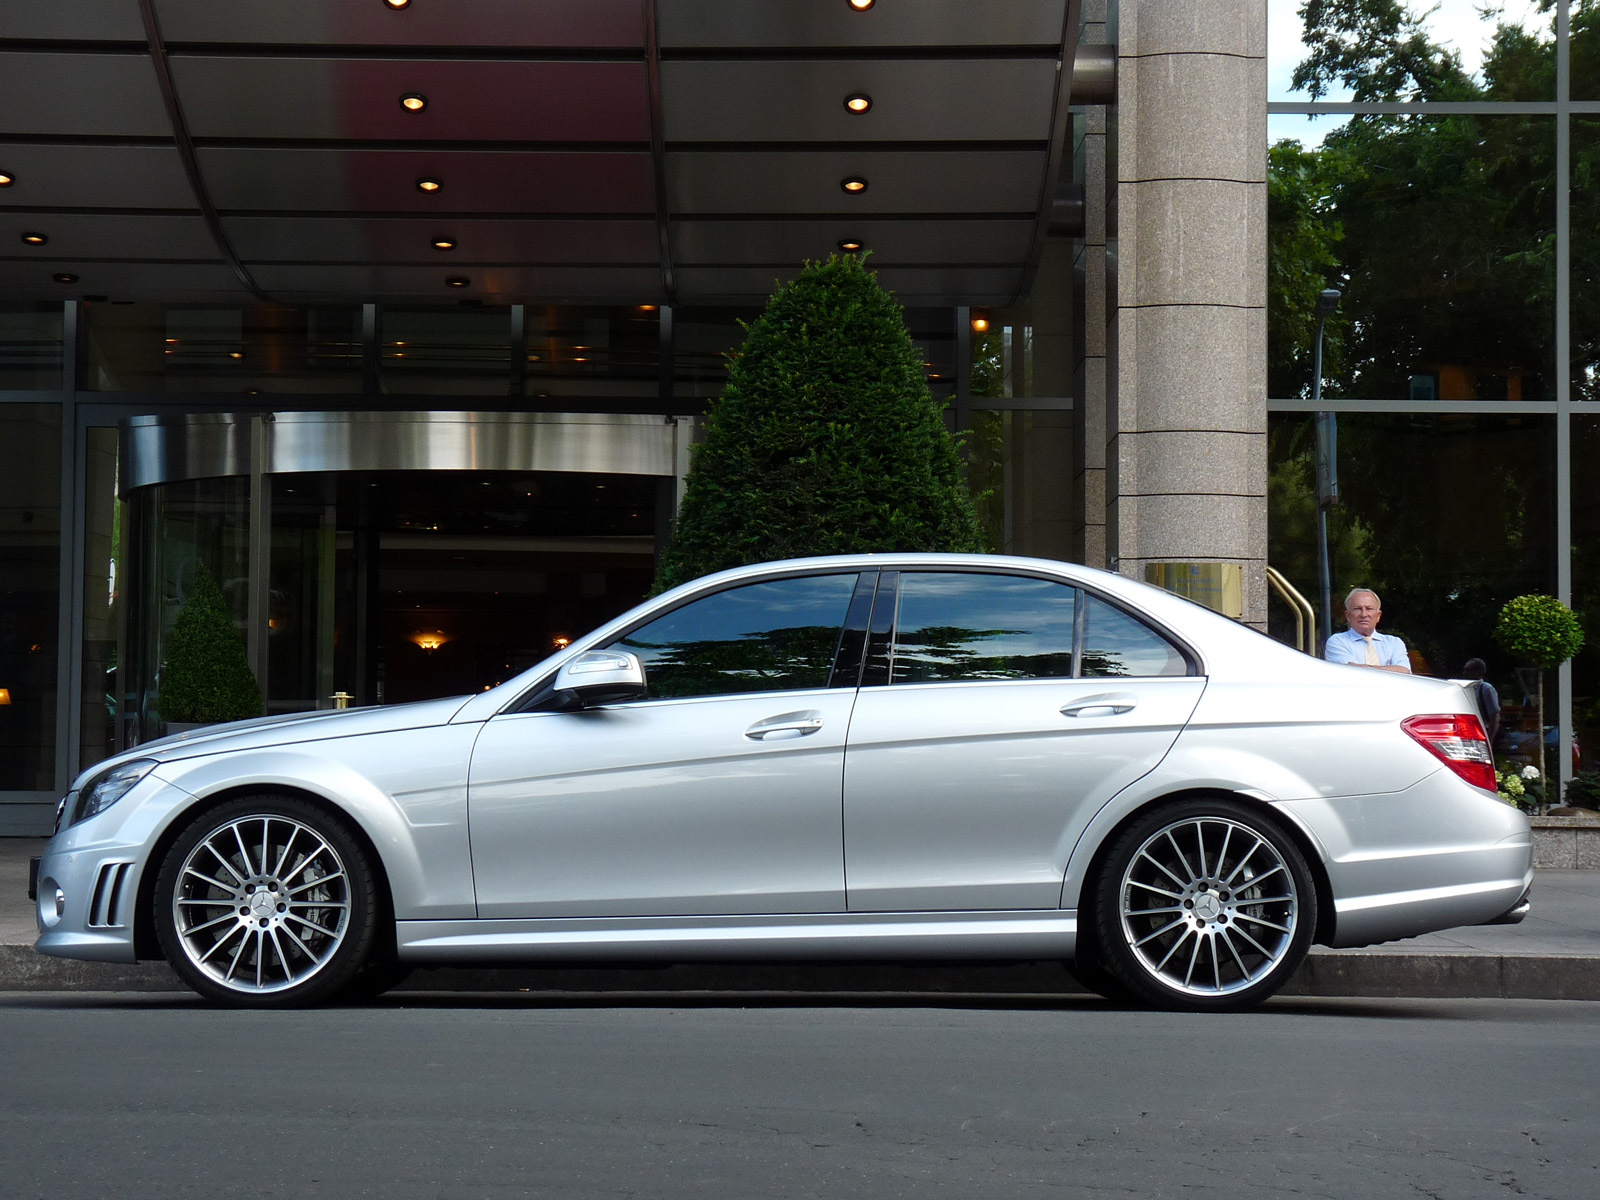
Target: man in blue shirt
(1362,645)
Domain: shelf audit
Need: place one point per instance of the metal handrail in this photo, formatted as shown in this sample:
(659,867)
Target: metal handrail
(1305,617)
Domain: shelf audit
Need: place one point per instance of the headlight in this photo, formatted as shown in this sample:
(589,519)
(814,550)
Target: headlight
(100,794)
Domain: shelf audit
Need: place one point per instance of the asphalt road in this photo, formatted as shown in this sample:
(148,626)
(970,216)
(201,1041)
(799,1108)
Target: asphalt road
(466,1096)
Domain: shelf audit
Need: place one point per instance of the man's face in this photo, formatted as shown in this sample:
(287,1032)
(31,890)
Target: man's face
(1363,613)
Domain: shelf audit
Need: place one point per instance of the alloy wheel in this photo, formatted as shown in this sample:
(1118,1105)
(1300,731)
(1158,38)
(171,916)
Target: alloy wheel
(1209,907)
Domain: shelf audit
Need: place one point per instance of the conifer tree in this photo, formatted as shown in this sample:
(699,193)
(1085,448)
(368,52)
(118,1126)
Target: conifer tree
(825,440)
(206,676)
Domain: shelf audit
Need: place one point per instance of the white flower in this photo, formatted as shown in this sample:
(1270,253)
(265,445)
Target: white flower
(1530,772)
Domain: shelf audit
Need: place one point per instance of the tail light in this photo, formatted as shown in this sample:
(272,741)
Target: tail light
(1458,741)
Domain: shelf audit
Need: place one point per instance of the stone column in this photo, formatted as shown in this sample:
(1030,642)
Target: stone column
(1089,316)
(1186,458)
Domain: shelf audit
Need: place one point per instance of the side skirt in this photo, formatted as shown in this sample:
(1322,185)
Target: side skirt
(1043,934)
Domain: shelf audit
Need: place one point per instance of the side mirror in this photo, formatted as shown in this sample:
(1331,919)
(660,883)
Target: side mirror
(601,677)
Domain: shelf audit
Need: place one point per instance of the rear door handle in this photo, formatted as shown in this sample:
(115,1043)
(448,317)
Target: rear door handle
(1100,706)
(792,725)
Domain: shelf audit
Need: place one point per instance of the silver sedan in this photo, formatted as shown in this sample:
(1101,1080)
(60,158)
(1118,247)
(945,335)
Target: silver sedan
(884,756)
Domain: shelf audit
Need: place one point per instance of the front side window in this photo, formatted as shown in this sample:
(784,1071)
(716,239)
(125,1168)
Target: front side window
(956,626)
(779,635)
(1116,644)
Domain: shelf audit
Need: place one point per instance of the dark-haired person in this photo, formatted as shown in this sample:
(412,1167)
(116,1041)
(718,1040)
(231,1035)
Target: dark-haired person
(1483,692)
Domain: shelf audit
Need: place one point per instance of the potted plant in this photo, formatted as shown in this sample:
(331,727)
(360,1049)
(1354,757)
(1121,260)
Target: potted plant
(206,677)
(1545,633)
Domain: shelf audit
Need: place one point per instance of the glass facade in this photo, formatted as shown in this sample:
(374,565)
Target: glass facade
(1461,363)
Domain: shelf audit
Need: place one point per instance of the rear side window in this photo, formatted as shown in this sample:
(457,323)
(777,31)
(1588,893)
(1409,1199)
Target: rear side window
(969,626)
(778,635)
(1116,644)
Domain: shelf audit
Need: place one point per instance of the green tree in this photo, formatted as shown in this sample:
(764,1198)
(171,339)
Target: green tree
(825,440)
(1545,632)
(1303,236)
(206,676)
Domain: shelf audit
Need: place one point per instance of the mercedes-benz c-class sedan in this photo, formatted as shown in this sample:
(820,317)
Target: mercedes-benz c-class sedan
(894,757)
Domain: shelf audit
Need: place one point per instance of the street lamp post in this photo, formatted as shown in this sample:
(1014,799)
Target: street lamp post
(1327,467)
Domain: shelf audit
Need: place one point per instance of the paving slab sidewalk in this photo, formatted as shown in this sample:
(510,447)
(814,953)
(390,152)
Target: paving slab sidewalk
(1553,955)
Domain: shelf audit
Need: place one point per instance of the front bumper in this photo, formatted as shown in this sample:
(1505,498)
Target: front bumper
(84,902)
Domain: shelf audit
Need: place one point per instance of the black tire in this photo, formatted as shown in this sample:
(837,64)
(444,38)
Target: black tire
(1204,905)
(267,901)
(379,976)
(1087,965)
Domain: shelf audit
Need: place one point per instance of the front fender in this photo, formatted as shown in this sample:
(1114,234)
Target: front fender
(407,792)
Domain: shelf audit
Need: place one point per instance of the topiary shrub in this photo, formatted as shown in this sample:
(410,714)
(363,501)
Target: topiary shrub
(1543,632)
(825,440)
(1583,789)
(206,676)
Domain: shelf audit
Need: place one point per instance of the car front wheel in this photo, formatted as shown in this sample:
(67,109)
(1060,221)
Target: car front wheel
(1205,904)
(266,901)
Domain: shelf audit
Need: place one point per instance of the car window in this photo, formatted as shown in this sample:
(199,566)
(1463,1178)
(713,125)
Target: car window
(778,635)
(968,626)
(1116,644)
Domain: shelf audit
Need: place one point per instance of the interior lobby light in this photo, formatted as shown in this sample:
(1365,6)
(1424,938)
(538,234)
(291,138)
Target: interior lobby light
(858,5)
(854,184)
(980,324)
(850,245)
(235,353)
(35,239)
(430,639)
(457,281)
(444,243)
(5,697)
(397,5)
(7,178)
(428,184)
(858,103)
(413,102)
(65,277)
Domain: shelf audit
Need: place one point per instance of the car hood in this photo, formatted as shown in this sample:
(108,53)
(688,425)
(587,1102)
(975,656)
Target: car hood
(292,727)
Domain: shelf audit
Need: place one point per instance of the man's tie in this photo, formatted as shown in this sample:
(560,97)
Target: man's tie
(1372,652)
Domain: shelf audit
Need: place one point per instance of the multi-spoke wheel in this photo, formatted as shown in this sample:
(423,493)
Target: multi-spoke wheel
(1205,904)
(266,901)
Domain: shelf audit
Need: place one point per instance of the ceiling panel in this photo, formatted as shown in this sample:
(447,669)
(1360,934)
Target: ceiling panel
(906,181)
(77,21)
(346,239)
(99,177)
(826,23)
(86,235)
(934,286)
(891,241)
(499,284)
(572,23)
(121,281)
(359,99)
(384,181)
(80,95)
(764,100)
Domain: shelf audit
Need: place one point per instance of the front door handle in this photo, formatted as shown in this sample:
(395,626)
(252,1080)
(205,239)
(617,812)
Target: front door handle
(786,725)
(1104,705)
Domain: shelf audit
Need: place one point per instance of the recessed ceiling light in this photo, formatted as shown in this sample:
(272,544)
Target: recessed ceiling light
(397,5)
(65,277)
(980,324)
(858,103)
(235,353)
(457,281)
(855,185)
(858,5)
(428,184)
(850,245)
(647,308)
(413,102)
(35,239)
(7,179)
(172,341)
(444,243)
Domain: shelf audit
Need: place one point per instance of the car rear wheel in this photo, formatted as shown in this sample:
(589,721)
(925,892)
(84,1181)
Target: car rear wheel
(268,902)
(1205,905)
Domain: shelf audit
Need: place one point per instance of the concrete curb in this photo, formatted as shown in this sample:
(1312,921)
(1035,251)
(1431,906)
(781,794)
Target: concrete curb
(1328,973)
